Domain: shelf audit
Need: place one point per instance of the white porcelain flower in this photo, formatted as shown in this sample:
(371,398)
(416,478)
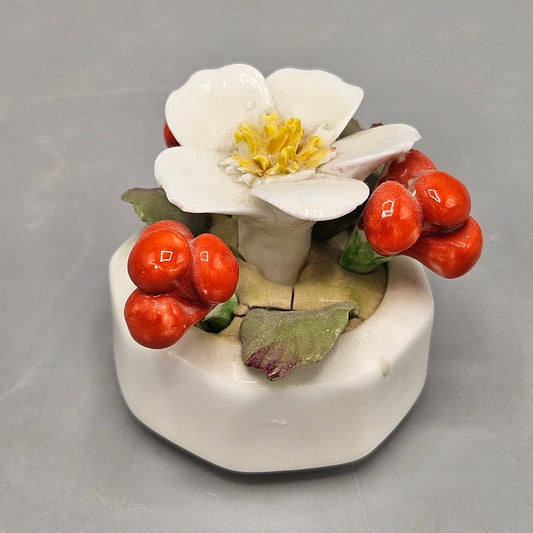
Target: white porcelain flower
(267,151)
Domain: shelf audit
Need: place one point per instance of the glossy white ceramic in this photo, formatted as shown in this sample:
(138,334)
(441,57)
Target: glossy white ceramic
(200,396)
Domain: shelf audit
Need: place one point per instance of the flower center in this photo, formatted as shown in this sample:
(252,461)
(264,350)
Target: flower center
(277,147)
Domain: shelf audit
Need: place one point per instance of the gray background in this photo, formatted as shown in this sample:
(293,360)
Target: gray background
(82,90)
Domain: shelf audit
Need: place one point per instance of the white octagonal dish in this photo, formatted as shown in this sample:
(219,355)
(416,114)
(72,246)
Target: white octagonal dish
(199,395)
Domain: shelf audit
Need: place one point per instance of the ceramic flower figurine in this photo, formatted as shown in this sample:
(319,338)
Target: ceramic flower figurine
(267,150)
(280,154)
(282,232)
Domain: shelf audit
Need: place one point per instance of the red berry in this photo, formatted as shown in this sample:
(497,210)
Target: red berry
(450,254)
(173,225)
(170,140)
(406,167)
(214,270)
(194,311)
(158,259)
(391,219)
(444,200)
(155,320)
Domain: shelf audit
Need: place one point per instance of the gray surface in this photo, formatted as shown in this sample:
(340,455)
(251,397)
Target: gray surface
(81,106)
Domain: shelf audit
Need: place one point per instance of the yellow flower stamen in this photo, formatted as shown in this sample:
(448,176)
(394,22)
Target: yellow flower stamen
(278,147)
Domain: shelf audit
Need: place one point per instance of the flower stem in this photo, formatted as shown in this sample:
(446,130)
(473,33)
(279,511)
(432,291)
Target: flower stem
(278,248)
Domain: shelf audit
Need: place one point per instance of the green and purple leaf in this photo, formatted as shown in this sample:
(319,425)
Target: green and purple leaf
(152,205)
(277,341)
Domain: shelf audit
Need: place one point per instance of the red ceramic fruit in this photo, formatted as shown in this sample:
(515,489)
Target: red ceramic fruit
(170,140)
(194,311)
(450,254)
(173,225)
(214,269)
(158,259)
(155,320)
(406,167)
(180,280)
(391,219)
(443,199)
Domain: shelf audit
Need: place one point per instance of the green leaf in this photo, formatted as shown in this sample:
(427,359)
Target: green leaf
(254,290)
(352,127)
(277,341)
(152,205)
(359,256)
(222,315)
(324,283)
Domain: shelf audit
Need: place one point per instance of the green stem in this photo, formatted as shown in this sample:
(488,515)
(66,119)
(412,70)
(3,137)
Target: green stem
(359,256)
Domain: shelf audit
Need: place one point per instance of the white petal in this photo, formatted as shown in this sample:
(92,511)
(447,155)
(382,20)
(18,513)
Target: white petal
(206,111)
(286,178)
(322,101)
(319,198)
(194,181)
(357,155)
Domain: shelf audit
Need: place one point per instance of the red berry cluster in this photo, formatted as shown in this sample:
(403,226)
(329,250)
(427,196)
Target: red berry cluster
(170,140)
(424,213)
(179,280)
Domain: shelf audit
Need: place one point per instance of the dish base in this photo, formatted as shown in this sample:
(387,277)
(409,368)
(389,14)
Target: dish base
(199,395)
